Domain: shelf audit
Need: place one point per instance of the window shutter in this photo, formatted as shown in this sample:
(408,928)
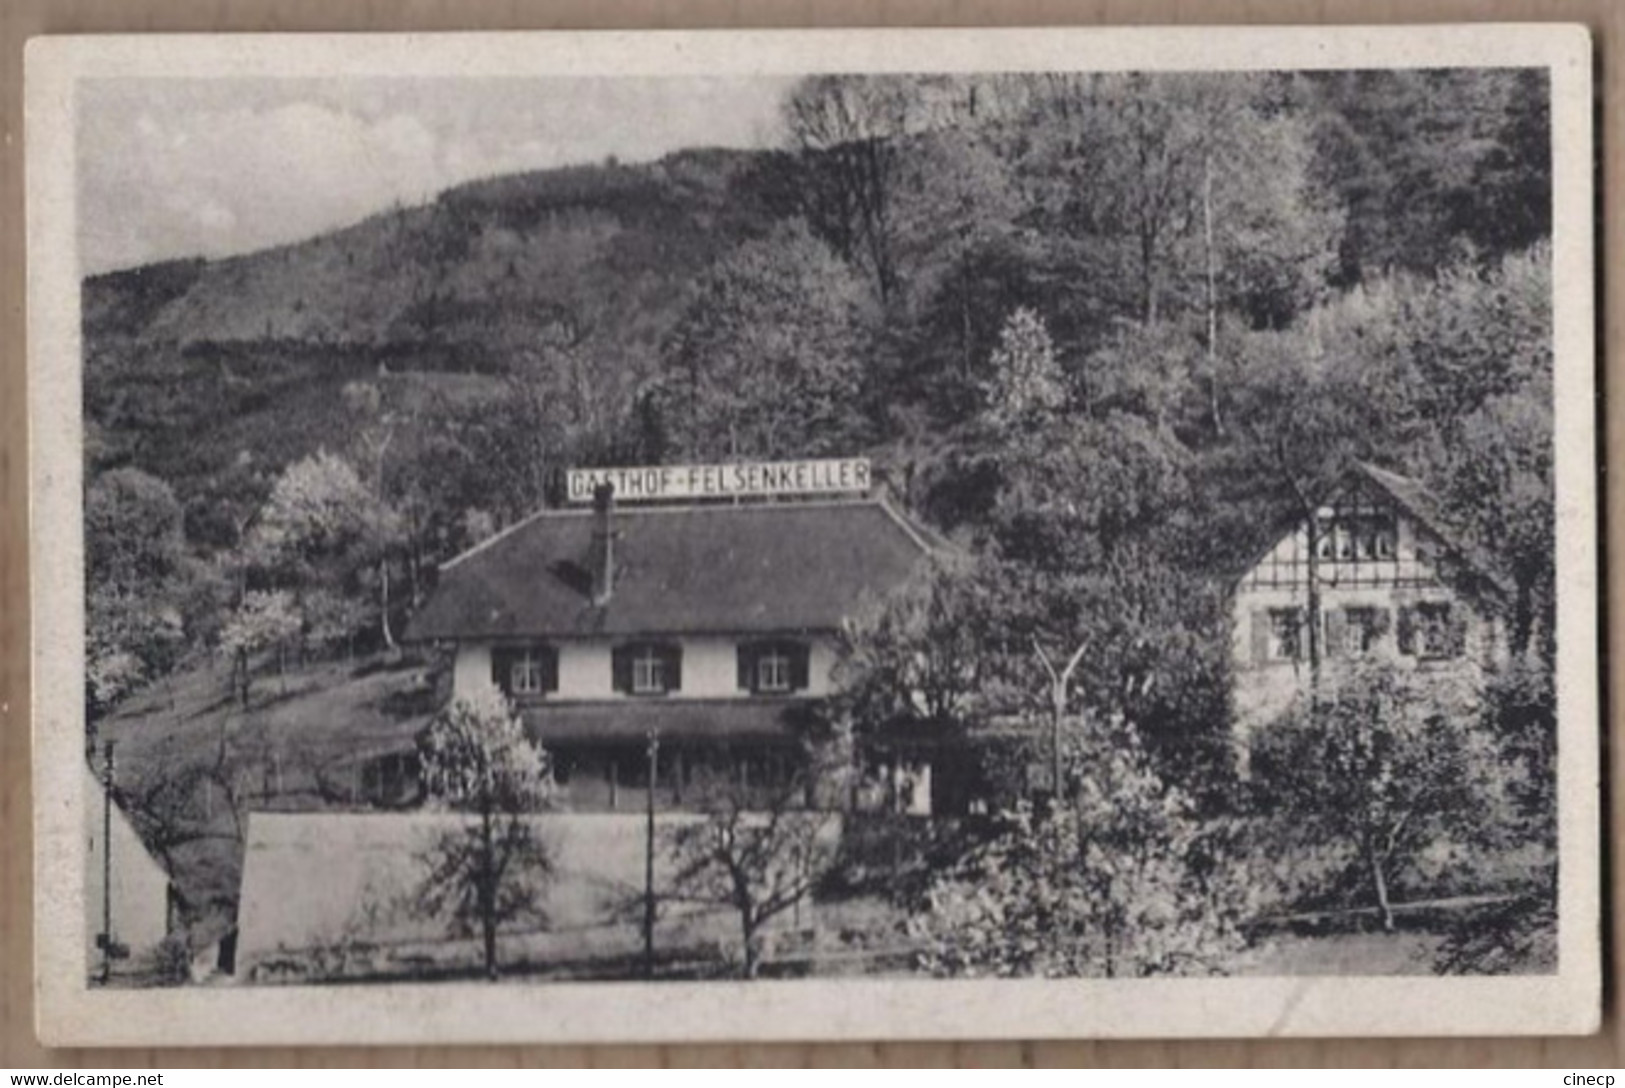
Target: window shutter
(1261,635)
(1336,631)
(1407,630)
(799,655)
(621,668)
(747,666)
(674,667)
(502,668)
(550,667)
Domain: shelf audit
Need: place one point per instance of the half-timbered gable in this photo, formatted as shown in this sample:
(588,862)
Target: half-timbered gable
(1390,580)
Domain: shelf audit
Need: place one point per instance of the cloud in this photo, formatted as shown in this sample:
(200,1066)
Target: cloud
(182,168)
(225,181)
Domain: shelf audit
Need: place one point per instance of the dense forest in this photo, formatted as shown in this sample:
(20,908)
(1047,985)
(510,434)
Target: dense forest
(1105,330)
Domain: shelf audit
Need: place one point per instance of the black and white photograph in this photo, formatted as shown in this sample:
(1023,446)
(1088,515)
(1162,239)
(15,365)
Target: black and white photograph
(789,520)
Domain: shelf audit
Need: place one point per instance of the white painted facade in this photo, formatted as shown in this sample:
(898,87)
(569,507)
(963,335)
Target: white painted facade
(710,668)
(710,671)
(1380,596)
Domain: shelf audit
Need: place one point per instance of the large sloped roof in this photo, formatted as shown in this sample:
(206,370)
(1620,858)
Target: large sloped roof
(1416,500)
(678,570)
(1410,495)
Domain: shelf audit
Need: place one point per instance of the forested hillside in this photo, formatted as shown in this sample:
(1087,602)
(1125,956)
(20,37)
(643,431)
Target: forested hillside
(1106,330)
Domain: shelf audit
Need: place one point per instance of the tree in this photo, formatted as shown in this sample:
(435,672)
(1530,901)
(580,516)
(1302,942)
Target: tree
(1026,389)
(137,575)
(758,852)
(1520,712)
(849,130)
(375,430)
(765,362)
(1179,193)
(1514,176)
(1428,164)
(476,760)
(914,654)
(266,619)
(945,355)
(1135,637)
(1092,602)
(1483,358)
(1118,879)
(961,258)
(914,658)
(1383,765)
(133,530)
(324,527)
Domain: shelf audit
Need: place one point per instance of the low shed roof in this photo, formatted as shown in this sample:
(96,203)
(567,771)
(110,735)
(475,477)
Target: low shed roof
(694,721)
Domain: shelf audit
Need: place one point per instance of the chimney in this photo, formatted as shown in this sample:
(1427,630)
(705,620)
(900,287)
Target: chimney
(602,560)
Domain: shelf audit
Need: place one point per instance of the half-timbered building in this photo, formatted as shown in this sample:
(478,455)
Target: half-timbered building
(1382,575)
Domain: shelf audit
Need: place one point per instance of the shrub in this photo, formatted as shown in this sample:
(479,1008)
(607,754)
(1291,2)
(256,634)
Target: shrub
(1118,880)
(1385,766)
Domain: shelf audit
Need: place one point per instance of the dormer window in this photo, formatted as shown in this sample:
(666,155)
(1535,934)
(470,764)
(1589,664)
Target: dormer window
(1354,538)
(648,668)
(528,670)
(773,668)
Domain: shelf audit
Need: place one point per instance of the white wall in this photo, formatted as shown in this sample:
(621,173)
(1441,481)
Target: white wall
(1262,691)
(710,668)
(140,887)
(473,667)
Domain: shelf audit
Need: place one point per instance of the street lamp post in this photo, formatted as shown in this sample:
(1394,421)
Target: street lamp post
(649,858)
(107,863)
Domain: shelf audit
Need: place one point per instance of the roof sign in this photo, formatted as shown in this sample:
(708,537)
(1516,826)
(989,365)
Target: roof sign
(745,478)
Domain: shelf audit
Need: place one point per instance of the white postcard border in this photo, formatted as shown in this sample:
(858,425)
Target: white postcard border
(70,1013)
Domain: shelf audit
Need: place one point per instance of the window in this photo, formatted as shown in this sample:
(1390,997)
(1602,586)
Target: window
(773,668)
(648,671)
(525,671)
(1379,538)
(1357,538)
(527,676)
(1431,630)
(1277,634)
(1434,631)
(1286,634)
(647,668)
(1357,630)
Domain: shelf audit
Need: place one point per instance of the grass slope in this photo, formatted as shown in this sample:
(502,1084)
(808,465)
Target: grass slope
(184,747)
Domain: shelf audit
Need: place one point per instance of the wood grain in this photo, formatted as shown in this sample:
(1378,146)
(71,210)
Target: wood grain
(20,19)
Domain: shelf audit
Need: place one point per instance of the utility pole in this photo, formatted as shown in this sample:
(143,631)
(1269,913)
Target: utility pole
(649,858)
(107,864)
(1059,681)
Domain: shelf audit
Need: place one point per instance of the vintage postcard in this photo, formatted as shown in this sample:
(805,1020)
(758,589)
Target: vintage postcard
(813,535)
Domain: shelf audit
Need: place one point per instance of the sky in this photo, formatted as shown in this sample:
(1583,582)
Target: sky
(173,168)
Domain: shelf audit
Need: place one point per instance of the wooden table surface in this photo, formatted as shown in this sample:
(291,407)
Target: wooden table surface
(20,19)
